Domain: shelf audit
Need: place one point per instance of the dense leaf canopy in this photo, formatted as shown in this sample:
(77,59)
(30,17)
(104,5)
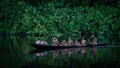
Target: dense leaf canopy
(65,17)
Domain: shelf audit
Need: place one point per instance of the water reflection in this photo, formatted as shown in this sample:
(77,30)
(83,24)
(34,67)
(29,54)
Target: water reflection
(78,50)
(93,51)
(55,53)
(68,52)
(64,51)
(83,52)
(41,54)
(17,48)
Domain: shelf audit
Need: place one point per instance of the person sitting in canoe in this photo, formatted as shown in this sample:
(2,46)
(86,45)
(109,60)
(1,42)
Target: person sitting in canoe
(70,43)
(61,43)
(83,43)
(64,43)
(55,42)
(77,43)
(41,42)
(94,40)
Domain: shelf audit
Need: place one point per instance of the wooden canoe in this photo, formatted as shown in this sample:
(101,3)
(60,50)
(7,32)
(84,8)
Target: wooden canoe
(41,46)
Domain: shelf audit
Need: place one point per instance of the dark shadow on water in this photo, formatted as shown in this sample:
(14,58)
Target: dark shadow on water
(93,52)
(74,64)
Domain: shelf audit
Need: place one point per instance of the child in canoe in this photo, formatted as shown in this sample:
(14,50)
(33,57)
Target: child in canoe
(70,43)
(77,43)
(63,43)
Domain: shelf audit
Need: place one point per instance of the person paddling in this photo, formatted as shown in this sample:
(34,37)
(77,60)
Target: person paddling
(70,43)
(55,42)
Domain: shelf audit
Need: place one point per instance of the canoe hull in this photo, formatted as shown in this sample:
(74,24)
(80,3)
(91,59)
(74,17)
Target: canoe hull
(40,46)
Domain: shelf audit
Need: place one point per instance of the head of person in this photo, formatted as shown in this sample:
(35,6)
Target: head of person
(92,36)
(69,38)
(54,38)
(83,38)
(78,40)
(40,39)
(64,41)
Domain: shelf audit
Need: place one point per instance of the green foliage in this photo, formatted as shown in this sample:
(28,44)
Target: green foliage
(58,18)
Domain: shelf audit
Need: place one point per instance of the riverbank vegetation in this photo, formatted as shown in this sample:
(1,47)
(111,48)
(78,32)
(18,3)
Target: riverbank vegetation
(54,17)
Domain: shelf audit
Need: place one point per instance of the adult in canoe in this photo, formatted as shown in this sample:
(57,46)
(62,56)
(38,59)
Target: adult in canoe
(83,43)
(94,39)
(55,42)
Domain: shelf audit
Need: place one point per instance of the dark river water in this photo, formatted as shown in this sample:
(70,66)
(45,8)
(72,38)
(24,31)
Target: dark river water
(15,52)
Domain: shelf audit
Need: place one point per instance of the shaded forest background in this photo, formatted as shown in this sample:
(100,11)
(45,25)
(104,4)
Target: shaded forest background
(59,17)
